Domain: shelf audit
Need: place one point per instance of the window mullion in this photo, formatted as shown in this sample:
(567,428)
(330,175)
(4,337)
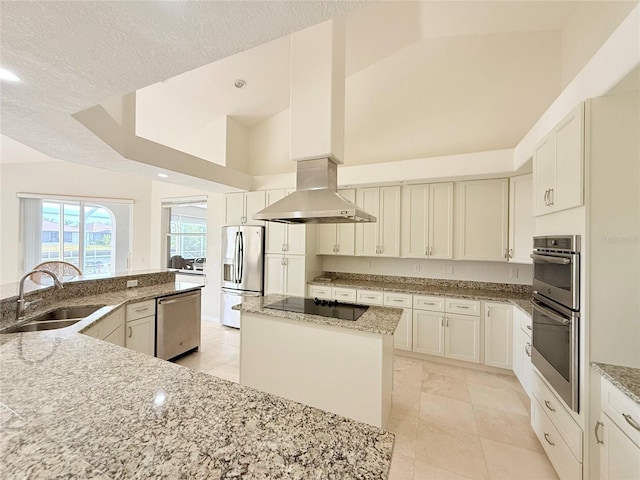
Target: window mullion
(81,235)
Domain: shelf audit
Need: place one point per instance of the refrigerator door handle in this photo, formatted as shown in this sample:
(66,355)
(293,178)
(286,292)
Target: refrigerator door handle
(241,258)
(236,273)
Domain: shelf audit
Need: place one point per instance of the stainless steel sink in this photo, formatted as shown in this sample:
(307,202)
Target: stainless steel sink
(59,318)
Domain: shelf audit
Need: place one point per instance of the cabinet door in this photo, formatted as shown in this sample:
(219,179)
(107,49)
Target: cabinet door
(619,456)
(402,338)
(273,274)
(141,335)
(484,207)
(544,174)
(389,236)
(517,360)
(93,330)
(367,233)
(520,218)
(462,337)
(441,220)
(233,208)
(294,278)
(346,232)
(415,221)
(498,335)
(254,202)
(567,192)
(326,238)
(117,337)
(275,233)
(428,332)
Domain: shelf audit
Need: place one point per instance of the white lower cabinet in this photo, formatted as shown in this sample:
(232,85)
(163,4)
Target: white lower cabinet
(498,335)
(109,328)
(284,275)
(522,366)
(319,291)
(141,335)
(141,327)
(437,331)
(462,337)
(428,332)
(618,434)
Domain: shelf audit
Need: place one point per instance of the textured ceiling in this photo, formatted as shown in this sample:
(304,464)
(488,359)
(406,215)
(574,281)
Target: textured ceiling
(73,55)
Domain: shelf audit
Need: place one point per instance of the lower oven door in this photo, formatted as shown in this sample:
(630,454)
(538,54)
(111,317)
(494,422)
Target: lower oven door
(555,350)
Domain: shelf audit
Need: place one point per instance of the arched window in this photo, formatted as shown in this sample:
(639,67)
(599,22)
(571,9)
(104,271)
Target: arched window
(92,235)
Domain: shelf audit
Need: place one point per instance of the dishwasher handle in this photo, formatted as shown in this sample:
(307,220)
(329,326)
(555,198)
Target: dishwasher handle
(183,298)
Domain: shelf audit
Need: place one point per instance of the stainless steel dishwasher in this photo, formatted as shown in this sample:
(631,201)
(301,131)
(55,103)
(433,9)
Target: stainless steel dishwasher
(178,325)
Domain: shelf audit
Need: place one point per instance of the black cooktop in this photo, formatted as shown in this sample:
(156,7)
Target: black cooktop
(324,308)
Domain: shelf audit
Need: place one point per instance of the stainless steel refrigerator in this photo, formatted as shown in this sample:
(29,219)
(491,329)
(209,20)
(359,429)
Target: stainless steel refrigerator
(242,269)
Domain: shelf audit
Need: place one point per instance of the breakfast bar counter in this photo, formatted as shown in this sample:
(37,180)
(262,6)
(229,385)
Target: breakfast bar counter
(77,407)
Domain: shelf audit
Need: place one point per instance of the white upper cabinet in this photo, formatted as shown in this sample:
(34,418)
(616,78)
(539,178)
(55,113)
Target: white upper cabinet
(337,238)
(483,208)
(381,238)
(520,218)
(240,207)
(558,166)
(427,221)
(281,237)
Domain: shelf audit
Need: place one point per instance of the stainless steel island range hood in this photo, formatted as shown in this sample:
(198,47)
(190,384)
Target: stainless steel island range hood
(316,131)
(316,199)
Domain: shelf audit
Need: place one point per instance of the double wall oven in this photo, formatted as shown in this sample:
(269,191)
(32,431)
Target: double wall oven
(556,313)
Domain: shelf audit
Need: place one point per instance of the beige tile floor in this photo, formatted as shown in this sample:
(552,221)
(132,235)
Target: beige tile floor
(450,422)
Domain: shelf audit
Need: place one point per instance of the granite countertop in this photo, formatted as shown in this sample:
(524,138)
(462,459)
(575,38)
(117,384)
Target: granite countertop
(75,406)
(626,379)
(380,320)
(518,299)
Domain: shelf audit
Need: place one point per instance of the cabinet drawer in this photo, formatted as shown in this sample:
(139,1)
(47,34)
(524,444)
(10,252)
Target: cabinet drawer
(557,450)
(424,302)
(524,322)
(461,306)
(316,291)
(400,300)
(370,297)
(141,309)
(621,409)
(559,416)
(344,294)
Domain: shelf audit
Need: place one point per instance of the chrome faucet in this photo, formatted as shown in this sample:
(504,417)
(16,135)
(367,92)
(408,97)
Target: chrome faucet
(21,303)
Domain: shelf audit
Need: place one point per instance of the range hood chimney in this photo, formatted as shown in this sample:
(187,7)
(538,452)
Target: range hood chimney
(316,130)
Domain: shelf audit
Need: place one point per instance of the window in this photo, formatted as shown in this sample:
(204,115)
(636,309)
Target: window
(92,235)
(185,227)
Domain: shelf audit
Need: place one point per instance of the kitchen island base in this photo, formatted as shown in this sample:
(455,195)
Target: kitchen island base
(340,370)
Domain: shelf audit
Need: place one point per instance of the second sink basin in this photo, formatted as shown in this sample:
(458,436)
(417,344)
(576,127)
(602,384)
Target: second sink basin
(59,318)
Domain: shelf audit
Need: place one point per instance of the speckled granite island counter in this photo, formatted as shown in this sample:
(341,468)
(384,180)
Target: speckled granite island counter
(341,366)
(72,406)
(626,379)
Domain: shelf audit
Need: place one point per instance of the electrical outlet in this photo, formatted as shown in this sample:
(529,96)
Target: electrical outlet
(447,269)
(513,272)
(416,267)
(132,283)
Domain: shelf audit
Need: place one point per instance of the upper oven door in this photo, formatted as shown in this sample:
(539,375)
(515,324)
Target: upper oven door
(557,276)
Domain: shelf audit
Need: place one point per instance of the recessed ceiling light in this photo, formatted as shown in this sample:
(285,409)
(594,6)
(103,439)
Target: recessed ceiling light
(8,75)
(240,83)
(163,175)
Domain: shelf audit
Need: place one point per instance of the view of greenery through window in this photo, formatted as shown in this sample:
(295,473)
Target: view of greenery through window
(63,223)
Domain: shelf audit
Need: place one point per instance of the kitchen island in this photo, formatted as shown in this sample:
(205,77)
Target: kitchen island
(341,366)
(77,407)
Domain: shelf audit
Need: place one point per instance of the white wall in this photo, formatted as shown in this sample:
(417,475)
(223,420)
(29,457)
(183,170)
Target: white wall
(215,219)
(237,146)
(65,178)
(405,267)
(269,146)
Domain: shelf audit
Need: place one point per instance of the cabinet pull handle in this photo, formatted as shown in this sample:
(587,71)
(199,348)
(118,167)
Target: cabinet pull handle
(447,319)
(546,437)
(430,251)
(429,303)
(527,349)
(551,192)
(142,309)
(442,321)
(426,252)
(631,421)
(488,311)
(130,332)
(286,247)
(462,306)
(529,327)
(506,253)
(380,249)
(546,197)
(548,405)
(511,253)
(599,425)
